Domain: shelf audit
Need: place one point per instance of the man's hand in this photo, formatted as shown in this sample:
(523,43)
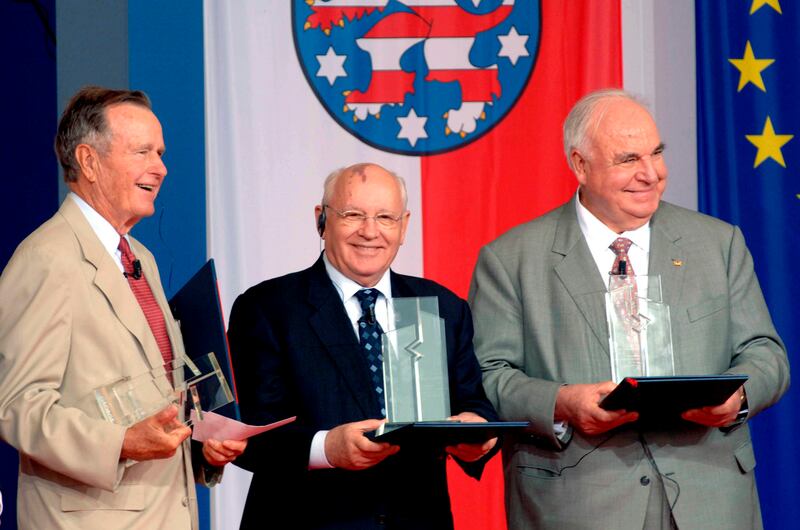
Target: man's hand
(579,405)
(346,446)
(718,415)
(156,437)
(470,452)
(219,453)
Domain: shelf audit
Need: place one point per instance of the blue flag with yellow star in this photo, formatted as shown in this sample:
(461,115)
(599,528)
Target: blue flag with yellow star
(748,74)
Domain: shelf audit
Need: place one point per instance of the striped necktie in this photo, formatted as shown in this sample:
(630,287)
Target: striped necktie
(369,336)
(144,295)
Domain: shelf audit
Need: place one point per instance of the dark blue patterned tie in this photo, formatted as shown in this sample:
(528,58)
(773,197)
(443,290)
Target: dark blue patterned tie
(369,335)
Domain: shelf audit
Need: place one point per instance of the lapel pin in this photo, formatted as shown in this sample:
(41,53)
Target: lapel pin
(677,262)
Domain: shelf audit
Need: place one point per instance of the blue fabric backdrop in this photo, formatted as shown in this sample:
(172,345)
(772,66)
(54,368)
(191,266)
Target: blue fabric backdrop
(165,57)
(28,63)
(748,175)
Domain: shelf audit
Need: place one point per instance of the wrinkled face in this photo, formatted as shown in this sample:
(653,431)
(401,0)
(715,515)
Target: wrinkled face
(621,169)
(363,251)
(129,170)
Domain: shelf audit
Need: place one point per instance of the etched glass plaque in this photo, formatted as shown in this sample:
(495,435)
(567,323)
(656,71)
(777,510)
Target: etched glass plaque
(415,362)
(197,384)
(639,329)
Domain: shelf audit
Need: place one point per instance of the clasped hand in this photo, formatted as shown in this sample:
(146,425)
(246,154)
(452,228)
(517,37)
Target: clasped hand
(579,405)
(719,415)
(474,451)
(346,446)
(218,453)
(160,435)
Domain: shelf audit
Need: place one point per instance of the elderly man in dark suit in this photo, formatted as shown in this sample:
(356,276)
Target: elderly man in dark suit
(296,351)
(542,340)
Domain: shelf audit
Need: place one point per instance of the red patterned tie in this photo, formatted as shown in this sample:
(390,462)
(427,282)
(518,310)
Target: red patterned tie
(144,295)
(620,247)
(622,275)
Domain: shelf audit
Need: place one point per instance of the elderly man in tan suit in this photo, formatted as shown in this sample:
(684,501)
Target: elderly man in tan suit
(70,322)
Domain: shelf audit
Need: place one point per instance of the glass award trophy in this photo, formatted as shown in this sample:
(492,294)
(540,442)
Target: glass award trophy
(639,327)
(193,384)
(415,380)
(415,362)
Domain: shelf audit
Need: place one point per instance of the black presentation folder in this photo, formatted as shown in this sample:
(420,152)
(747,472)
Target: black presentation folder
(666,397)
(197,308)
(446,433)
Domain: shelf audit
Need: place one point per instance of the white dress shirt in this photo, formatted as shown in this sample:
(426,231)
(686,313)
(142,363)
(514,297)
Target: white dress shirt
(347,290)
(105,232)
(599,237)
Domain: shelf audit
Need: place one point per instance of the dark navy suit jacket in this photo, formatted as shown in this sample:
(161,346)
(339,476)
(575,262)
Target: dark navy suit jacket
(295,354)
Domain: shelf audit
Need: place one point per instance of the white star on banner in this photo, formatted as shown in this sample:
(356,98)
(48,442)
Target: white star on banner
(412,127)
(331,65)
(513,45)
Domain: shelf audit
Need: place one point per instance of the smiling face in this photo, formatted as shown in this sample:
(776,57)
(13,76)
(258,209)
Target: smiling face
(120,177)
(363,252)
(621,170)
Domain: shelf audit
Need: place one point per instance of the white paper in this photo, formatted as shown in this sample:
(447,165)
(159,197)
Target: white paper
(217,427)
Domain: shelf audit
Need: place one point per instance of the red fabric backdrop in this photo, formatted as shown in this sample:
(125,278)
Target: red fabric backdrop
(513,174)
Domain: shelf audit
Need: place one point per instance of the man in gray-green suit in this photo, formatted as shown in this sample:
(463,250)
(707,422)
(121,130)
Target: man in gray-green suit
(541,336)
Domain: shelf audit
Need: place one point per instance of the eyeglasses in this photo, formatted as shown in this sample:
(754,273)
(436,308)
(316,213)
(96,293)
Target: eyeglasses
(357,218)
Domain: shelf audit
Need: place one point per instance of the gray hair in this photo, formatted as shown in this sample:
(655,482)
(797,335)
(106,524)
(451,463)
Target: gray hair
(584,117)
(84,122)
(333,178)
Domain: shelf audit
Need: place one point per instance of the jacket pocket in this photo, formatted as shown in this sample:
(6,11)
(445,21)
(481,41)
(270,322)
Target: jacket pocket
(709,307)
(129,497)
(745,458)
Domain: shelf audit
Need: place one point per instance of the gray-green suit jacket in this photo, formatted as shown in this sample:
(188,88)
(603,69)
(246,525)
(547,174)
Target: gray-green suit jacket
(538,305)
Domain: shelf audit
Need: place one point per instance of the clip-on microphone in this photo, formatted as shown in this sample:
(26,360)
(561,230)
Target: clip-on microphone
(137,270)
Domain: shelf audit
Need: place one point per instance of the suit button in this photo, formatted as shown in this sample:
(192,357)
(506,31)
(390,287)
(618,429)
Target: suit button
(185,501)
(644,481)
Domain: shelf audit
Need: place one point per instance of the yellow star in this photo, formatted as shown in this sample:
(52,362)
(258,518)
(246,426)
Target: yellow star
(769,144)
(758,4)
(750,68)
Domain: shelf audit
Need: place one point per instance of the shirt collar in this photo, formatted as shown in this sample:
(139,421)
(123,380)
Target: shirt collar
(599,236)
(347,288)
(105,232)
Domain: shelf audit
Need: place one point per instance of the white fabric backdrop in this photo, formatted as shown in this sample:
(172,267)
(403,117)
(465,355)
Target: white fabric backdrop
(270,145)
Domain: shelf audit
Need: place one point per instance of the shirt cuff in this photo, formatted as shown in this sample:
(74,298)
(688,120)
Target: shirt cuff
(316,457)
(563,432)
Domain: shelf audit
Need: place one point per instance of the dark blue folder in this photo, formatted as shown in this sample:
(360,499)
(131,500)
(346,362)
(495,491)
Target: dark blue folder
(197,308)
(666,397)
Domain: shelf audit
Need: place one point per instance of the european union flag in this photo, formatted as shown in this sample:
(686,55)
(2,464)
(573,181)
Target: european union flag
(748,81)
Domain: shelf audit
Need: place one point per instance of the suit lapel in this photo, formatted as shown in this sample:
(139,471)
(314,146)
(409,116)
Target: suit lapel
(578,273)
(110,281)
(150,271)
(666,257)
(334,329)
(400,289)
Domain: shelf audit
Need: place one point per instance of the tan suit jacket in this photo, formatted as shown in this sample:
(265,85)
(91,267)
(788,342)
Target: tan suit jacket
(69,323)
(540,322)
